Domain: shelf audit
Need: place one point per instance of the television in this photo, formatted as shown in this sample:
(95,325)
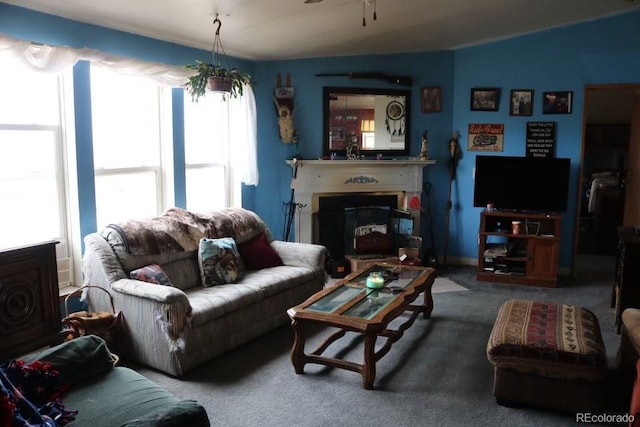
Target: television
(529,184)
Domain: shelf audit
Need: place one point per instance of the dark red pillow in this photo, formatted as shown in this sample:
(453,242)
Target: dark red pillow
(257,253)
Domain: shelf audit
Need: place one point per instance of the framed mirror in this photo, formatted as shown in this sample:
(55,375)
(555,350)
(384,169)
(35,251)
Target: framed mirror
(377,120)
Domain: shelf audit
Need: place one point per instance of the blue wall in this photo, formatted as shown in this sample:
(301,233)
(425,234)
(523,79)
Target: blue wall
(564,59)
(602,51)
(428,69)
(29,25)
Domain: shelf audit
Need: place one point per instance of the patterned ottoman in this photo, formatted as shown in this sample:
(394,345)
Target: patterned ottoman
(548,355)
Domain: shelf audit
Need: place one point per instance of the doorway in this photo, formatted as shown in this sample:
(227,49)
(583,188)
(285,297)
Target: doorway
(611,125)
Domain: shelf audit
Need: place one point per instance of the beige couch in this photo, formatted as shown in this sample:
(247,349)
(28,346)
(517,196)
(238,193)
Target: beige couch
(176,328)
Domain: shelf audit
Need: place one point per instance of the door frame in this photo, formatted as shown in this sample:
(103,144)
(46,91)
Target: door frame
(587,89)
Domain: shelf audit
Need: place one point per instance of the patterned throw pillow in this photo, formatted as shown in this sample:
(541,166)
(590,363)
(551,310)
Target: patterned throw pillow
(151,273)
(219,261)
(257,253)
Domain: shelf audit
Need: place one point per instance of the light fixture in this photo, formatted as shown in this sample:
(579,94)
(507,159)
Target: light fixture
(375,15)
(312,1)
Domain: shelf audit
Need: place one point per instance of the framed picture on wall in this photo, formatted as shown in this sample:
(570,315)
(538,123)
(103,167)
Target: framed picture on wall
(431,99)
(337,133)
(521,102)
(557,102)
(484,99)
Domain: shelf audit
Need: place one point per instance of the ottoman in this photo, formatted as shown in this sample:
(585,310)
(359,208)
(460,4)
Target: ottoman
(548,355)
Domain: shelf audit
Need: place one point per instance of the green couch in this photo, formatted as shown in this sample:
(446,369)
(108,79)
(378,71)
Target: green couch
(110,396)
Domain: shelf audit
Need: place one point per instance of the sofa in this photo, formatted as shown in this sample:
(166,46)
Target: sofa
(180,322)
(77,384)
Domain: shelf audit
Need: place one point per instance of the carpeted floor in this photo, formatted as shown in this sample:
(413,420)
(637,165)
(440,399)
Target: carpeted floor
(436,375)
(444,284)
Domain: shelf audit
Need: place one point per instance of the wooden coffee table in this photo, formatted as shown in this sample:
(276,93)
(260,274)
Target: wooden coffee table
(350,306)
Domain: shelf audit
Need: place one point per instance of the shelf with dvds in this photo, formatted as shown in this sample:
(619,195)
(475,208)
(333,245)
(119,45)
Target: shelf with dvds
(519,248)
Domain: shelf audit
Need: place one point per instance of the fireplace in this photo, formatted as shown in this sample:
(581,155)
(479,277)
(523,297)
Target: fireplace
(342,224)
(395,185)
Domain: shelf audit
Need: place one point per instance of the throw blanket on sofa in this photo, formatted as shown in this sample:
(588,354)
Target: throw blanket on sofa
(178,230)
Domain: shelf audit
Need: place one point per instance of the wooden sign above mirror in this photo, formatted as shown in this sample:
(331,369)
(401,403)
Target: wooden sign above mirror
(377,120)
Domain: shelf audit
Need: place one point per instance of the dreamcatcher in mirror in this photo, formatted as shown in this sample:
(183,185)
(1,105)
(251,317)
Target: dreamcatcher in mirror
(395,121)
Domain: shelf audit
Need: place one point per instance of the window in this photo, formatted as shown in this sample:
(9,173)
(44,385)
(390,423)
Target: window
(33,163)
(208,166)
(132,152)
(127,150)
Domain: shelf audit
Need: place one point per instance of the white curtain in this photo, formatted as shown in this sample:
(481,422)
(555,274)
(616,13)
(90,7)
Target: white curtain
(38,57)
(54,59)
(243,135)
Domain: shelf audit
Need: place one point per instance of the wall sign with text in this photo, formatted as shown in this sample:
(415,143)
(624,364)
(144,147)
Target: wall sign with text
(541,139)
(486,137)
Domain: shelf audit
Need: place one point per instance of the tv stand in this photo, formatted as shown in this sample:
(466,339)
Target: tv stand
(527,258)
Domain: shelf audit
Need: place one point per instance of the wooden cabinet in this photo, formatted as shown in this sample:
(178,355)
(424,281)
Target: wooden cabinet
(626,283)
(527,257)
(29,299)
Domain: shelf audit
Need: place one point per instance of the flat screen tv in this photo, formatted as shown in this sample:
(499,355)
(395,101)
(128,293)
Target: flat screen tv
(527,184)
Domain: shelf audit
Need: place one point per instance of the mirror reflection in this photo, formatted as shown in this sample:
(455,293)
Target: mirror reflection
(375,120)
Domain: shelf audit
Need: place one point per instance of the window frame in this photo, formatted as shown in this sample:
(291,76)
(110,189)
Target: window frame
(68,248)
(232,188)
(162,137)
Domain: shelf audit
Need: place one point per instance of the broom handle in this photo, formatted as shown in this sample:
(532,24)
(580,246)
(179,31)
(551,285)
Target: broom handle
(448,216)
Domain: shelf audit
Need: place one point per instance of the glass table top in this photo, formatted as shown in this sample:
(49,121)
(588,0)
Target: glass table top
(375,301)
(372,300)
(336,299)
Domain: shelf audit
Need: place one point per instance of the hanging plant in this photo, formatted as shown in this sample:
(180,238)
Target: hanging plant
(214,76)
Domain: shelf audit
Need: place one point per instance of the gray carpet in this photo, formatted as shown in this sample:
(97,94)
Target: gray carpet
(436,375)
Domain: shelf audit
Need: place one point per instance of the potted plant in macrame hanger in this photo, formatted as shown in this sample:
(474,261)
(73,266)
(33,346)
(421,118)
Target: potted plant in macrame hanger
(215,76)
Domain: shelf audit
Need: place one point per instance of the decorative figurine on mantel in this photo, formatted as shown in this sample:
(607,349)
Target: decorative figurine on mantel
(424,150)
(353,149)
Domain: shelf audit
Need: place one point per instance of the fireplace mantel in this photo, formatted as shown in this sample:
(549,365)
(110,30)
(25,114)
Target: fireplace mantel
(325,177)
(343,163)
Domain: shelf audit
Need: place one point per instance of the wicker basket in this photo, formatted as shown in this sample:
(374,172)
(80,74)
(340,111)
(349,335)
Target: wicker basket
(104,324)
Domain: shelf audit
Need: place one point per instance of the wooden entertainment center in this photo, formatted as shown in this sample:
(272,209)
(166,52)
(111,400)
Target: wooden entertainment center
(519,248)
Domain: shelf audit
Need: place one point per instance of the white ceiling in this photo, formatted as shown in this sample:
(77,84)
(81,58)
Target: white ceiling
(287,29)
